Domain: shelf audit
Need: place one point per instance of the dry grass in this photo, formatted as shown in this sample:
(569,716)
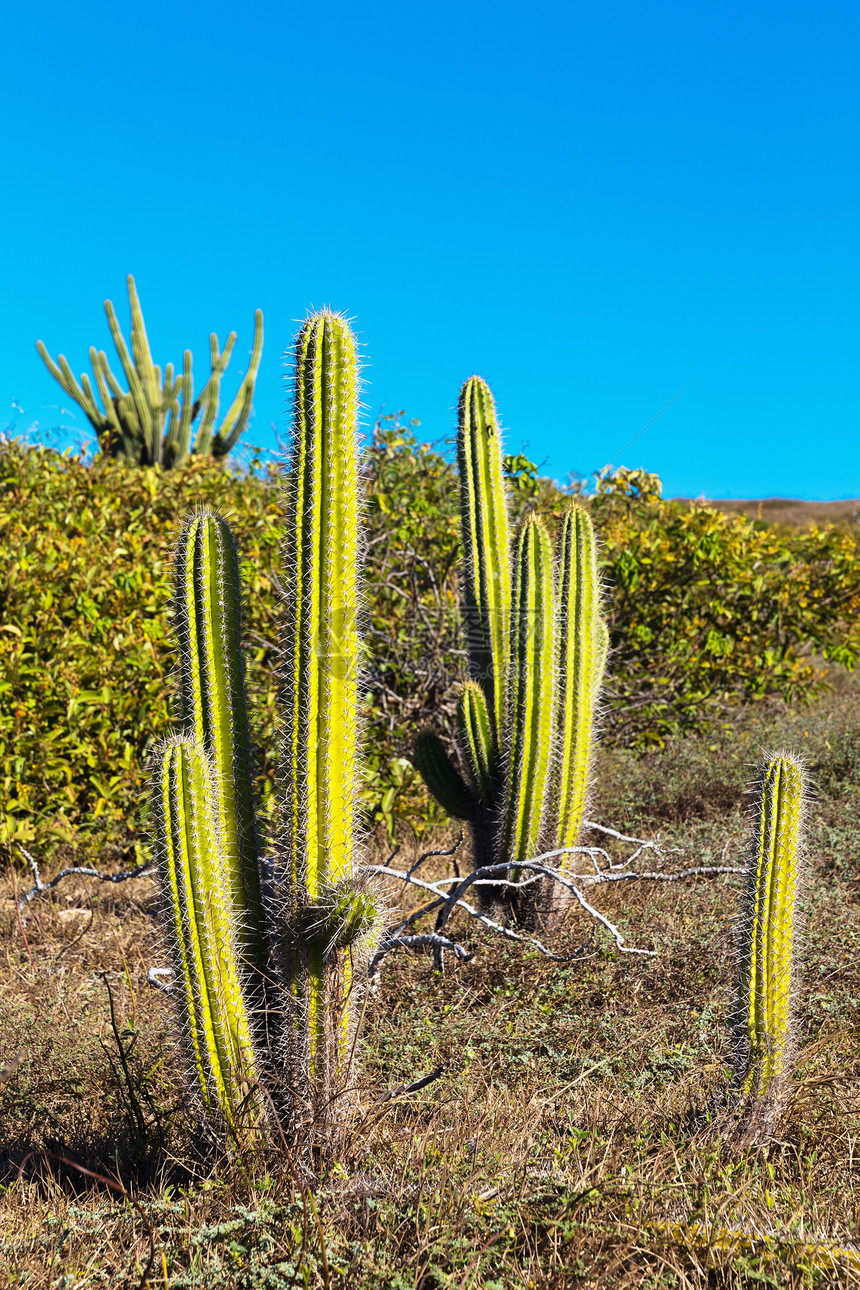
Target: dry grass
(557,1149)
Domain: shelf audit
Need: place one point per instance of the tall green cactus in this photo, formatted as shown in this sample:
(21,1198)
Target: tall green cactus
(264,952)
(582,648)
(537,654)
(319,755)
(530,700)
(207,616)
(766,936)
(484,524)
(131,424)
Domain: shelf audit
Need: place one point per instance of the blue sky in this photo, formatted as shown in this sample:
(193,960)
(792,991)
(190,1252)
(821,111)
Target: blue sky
(591,206)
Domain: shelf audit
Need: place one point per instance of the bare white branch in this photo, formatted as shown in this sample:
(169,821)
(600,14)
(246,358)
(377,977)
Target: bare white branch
(40,888)
(449,892)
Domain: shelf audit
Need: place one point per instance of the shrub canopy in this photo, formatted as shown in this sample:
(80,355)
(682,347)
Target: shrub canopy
(707,611)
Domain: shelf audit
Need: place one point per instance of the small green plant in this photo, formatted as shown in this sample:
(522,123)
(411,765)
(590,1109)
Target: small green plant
(131,423)
(264,950)
(537,650)
(766,941)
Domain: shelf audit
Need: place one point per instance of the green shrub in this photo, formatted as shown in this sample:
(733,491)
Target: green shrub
(706,611)
(711,610)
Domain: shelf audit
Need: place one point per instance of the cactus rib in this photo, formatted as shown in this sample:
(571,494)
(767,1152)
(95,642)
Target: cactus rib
(189,848)
(476,740)
(319,689)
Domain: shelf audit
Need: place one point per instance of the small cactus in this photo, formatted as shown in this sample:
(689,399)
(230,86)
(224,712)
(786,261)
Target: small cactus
(766,930)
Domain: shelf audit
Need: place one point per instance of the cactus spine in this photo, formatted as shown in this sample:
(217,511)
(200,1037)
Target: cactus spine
(766,929)
(537,653)
(131,424)
(265,971)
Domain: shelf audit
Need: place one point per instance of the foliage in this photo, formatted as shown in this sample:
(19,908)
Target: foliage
(707,613)
(709,610)
(131,424)
(415,655)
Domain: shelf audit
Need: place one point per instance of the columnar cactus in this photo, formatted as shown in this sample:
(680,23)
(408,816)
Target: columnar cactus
(132,425)
(766,939)
(582,648)
(201,923)
(207,615)
(530,701)
(321,907)
(537,654)
(264,950)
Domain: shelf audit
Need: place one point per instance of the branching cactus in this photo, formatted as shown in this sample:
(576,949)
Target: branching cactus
(147,424)
(266,952)
(537,651)
(766,941)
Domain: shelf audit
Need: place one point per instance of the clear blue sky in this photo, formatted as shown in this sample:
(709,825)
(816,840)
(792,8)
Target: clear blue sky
(590,205)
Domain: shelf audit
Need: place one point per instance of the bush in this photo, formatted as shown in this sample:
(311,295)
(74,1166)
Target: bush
(711,610)
(707,611)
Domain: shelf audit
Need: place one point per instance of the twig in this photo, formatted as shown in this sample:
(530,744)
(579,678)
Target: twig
(497,876)
(414,1087)
(427,854)
(39,888)
(395,942)
(445,899)
(152,979)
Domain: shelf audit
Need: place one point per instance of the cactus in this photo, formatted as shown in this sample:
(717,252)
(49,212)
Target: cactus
(196,900)
(265,953)
(213,709)
(582,649)
(319,674)
(766,936)
(484,523)
(131,424)
(530,700)
(525,719)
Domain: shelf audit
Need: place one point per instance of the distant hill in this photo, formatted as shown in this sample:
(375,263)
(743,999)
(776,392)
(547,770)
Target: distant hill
(788,510)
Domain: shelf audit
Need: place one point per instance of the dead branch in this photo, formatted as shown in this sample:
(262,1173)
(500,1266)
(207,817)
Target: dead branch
(40,888)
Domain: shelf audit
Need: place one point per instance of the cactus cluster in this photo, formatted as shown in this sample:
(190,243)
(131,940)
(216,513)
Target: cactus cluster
(131,423)
(537,651)
(264,948)
(766,932)
(267,941)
